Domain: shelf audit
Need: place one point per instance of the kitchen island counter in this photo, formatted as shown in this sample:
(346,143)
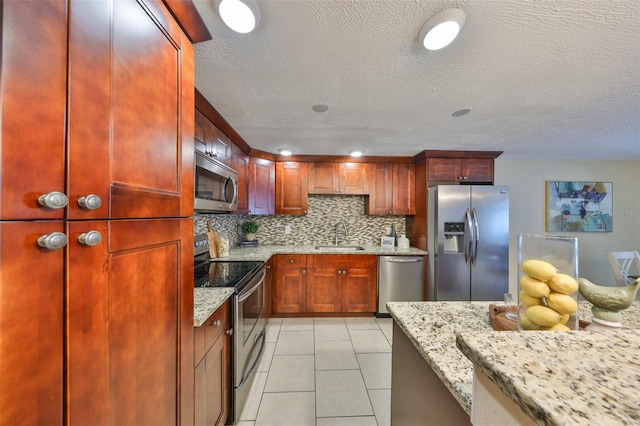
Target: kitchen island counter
(432,328)
(206,301)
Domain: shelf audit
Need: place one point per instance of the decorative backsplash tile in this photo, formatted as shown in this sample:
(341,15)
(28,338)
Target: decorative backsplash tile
(317,227)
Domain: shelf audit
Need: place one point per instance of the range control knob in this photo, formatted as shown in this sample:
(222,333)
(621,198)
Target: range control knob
(90,202)
(53,241)
(53,200)
(90,238)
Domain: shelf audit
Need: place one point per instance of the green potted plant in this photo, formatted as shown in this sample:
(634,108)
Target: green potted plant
(249,229)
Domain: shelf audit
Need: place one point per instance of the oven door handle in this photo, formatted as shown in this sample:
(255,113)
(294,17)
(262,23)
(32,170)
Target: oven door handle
(245,294)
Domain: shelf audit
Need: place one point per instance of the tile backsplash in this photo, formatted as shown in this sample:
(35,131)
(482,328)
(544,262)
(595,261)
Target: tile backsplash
(316,227)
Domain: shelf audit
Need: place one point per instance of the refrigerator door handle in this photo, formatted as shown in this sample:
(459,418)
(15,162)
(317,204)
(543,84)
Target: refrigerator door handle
(468,238)
(474,217)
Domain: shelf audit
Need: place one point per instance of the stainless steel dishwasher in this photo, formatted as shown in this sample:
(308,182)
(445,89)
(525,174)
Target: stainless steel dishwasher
(400,279)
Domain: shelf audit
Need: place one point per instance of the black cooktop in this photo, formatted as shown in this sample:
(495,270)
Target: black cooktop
(224,274)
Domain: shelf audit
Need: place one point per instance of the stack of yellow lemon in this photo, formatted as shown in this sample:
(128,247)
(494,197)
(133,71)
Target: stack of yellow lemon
(547,296)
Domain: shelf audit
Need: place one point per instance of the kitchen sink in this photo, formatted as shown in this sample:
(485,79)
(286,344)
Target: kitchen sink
(339,248)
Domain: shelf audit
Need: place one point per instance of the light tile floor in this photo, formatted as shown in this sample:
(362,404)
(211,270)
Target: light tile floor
(323,372)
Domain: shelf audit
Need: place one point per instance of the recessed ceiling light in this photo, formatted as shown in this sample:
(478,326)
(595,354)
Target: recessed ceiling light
(442,29)
(286,152)
(461,112)
(241,16)
(320,108)
(356,152)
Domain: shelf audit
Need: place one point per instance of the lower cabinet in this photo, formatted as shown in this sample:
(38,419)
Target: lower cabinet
(326,283)
(212,369)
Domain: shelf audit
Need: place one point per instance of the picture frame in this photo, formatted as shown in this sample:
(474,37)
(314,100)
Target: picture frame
(578,206)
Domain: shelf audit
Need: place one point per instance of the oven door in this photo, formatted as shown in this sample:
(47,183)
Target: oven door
(249,338)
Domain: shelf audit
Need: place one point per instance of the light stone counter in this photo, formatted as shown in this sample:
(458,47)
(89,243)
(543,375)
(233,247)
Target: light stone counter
(206,301)
(563,378)
(263,253)
(432,328)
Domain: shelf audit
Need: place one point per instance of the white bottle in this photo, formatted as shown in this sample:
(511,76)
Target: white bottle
(403,242)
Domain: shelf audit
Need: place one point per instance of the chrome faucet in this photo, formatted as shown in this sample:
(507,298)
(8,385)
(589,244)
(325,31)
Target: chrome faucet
(339,239)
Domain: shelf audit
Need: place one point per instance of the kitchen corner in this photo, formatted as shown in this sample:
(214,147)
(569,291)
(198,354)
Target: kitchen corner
(543,388)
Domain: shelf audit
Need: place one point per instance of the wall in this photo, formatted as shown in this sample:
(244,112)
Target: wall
(526,180)
(316,227)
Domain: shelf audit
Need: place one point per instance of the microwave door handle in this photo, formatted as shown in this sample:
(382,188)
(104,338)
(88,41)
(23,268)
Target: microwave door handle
(234,197)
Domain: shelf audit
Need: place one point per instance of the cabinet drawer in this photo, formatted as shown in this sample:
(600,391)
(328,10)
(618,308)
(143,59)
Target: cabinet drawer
(321,261)
(292,261)
(216,325)
(357,261)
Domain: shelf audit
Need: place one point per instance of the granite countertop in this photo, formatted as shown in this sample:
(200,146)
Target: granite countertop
(563,378)
(263,253)
(432,328)
(206,301)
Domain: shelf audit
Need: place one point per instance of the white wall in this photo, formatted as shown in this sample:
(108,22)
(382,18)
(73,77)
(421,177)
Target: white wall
(526,180)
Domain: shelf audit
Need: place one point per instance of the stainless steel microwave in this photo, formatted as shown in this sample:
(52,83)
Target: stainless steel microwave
(216,185)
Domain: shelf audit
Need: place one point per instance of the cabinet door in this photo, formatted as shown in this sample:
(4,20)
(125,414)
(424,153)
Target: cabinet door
(404,198)
(478,169)
(290,290)
(130,323)
(381,196)
(202,126)
(221,147)
(262,186)
(354,178)
(444,169)
(130,111)
(31,321)
(240,163)
(323,284)
(323,178)
(359,284)
(291,188)
(217,371)
(33,102)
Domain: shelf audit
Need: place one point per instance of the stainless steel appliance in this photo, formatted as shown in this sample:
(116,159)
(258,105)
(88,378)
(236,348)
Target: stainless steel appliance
(247,311)
(468,242)
(400,279)
(216,185)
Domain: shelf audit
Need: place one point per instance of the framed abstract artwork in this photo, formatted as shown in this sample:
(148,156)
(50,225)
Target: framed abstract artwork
(578,206)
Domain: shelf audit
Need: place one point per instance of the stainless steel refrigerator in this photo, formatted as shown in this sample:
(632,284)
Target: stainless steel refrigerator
(468,242)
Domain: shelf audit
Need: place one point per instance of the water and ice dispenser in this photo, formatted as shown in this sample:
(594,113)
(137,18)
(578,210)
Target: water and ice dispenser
(454,237)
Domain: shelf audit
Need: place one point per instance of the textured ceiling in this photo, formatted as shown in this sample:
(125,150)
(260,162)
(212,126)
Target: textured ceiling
(543,79)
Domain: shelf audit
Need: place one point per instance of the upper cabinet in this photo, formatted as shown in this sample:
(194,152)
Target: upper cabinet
(392,189)
(262,186)
(120,142)
(240,163)
(338,178)
(212,141)
(460,170)
(291,188)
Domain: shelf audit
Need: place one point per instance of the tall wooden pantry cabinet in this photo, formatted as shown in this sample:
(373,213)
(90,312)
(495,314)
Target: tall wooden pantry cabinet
(96,206)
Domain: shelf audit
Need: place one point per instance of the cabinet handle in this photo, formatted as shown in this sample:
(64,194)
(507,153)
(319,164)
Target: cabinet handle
(267,267)
(229,332)
(53,241)
(90,238)
(216,323)
(305,212)
(53,200)
(290,260)
(341,191)
(304,271)
(90,202)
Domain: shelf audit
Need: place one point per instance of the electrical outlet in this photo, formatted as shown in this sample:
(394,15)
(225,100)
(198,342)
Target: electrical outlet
(287,229)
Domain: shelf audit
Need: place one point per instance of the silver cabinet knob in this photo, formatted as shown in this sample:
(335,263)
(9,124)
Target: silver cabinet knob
(290,260)
(229,332)
(53,241)
(216,323)
(90,202)
(304,271)
(53,200)
(90,238)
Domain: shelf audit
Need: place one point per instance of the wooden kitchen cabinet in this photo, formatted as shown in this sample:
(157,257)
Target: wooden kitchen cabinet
(291,283)
(240,163)
(323,284)
(262,186)
(213,369)
(211,141)
(392,189)
(291,188)
(114,320)
(359,282)
(478,170)
(338,178)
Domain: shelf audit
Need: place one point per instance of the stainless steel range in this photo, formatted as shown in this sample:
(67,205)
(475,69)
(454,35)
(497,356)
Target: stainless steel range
(248,316)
